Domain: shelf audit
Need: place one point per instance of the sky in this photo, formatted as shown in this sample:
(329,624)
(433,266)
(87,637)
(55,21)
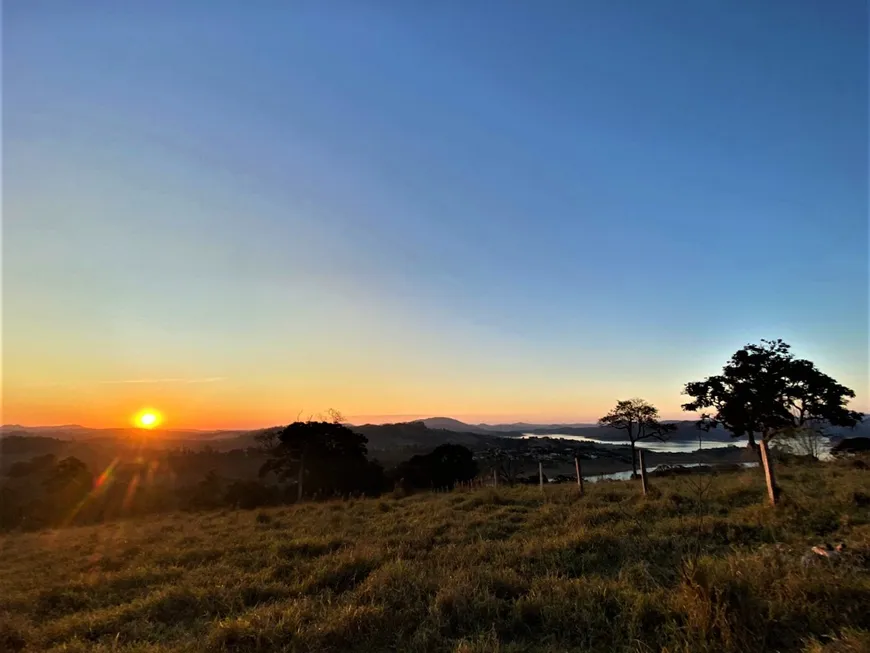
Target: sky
(242,212)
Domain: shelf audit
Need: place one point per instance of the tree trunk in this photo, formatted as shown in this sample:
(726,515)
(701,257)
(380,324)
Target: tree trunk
(579,475)
(770,478)
(643,479)
(633,461)
(752,445)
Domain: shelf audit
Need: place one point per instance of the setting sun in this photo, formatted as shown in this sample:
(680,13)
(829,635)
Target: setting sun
(147,419)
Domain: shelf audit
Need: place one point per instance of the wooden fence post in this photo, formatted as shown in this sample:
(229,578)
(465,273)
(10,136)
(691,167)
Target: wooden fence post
(541,476)
(579,477)
(495,478)
(643,479)
(768,473)
(300,477)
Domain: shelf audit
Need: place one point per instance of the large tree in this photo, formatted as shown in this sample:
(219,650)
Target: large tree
(443,467)
(765,392)
(640,421)
(321,457)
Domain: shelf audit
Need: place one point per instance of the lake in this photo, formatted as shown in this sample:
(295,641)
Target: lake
(676,446)
(626,476)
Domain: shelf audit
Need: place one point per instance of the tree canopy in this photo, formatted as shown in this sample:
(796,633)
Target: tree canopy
(323,458)
(443,467)
(765,391)
(640,420)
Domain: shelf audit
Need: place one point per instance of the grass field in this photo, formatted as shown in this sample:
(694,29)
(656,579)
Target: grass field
(703,565)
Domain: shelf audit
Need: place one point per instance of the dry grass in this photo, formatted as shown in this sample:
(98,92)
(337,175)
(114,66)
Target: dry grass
(492,570)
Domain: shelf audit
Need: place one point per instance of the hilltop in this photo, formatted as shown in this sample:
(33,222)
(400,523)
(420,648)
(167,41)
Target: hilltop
(702,565)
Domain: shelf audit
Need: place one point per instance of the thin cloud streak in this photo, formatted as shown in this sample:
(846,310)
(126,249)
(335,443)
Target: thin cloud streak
(62,384)
(208,379)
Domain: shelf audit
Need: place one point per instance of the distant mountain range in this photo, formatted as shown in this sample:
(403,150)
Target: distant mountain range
(433,430)
(450,424)
(77,432)
(686,430)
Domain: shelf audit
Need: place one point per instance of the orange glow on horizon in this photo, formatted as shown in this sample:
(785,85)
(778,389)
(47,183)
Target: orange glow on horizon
(242,406)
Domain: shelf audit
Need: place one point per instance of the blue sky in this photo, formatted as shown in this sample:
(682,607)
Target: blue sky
(522,210)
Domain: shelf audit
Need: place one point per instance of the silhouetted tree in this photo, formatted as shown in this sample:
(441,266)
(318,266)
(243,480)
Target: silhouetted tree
(322,458)
(267,439)
(69,475)
(764,391)
(509,471)
(640,421)
(446,465)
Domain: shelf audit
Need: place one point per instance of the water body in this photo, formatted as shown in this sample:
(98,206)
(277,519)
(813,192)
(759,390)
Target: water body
(626,476)
(672,446)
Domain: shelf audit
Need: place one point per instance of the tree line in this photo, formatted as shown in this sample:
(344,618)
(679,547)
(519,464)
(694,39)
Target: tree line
(306,460)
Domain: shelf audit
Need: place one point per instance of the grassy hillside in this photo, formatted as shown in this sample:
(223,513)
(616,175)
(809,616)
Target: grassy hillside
(704,565)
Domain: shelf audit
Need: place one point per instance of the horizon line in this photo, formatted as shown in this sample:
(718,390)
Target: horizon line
(347,422)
